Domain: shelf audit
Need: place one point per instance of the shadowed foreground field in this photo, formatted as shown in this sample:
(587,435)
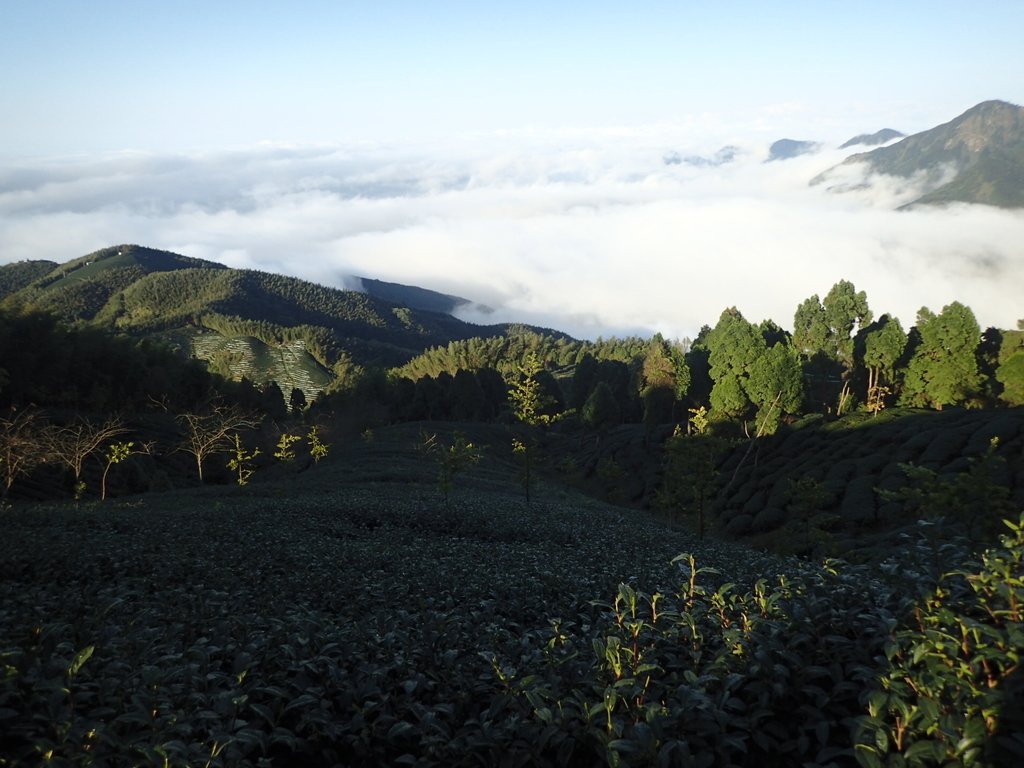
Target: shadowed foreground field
(347,616)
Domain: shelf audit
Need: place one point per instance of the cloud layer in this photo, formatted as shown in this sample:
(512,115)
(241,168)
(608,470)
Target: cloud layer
(593,235)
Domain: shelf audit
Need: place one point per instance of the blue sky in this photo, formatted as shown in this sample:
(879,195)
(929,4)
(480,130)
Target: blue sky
(109,75)
(511,153)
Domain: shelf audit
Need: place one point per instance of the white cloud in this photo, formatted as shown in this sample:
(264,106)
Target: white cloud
(589,234)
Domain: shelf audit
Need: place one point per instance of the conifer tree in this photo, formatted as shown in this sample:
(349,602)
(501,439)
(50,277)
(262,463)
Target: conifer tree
(775,386)
(823,334)
(944,368)
(528,403)
(733,347)
(884,343)
(601,411)
(1010,373)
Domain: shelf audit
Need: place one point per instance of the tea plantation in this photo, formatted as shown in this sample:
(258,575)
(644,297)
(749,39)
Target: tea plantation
(349,616)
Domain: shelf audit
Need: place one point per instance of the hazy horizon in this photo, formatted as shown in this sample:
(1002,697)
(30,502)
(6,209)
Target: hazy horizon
(511,155)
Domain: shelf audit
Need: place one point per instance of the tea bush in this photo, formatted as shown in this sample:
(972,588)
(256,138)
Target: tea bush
(283,626)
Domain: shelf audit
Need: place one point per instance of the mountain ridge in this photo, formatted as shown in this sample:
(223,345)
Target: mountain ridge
(983,149)
(253,316)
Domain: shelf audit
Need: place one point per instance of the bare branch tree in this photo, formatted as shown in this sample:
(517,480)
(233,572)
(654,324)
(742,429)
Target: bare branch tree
(209,433)
(21,444)
(73,443)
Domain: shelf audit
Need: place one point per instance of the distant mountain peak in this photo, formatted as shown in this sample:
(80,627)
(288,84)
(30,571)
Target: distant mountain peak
(785,149)
(411,296)
(883,136)
(725,155)
(977,157)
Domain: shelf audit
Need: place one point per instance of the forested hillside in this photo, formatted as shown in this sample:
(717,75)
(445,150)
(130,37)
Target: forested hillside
(175,299)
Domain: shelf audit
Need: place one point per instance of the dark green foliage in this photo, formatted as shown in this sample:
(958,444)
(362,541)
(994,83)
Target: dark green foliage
(846,310)
(734,345)
(451,458)
(944,368)
(952,694)
(601,412)
(1010,373)
(534,408)
(691,466)
(20,274)
(857,457)
(343,620)
(145,292)
(50,365)
(411,296)
(775,386)
(297,402)
(90,287)
(956,498)
(883,343)
(505,352)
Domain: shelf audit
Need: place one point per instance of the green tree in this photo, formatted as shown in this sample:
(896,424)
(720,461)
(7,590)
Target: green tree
(734,345)
(810,329)
(663,375)
(775,386)
(1010,373)
(584,379)
(824,335)
(690,472)
(884,343)
(318,449)
(601,412)
(284,450)
(451,458)
(529,405)
(845,310)
(467,397)
(241,461)
(944,368)
(297,402)
(271,401)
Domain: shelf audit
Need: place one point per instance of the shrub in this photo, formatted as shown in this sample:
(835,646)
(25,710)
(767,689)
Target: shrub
(953,693)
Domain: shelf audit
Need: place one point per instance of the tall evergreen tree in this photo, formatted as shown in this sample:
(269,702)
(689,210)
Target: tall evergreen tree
(823,334)
(467,398)
(657,382)
(601,412)
(944,368)
(1010,373)
(810,331)
(845,310)
(734,345)
(884,343)
(776,386)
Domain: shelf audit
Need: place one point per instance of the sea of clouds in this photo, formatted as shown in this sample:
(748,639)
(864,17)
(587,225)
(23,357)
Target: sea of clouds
(591,234)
